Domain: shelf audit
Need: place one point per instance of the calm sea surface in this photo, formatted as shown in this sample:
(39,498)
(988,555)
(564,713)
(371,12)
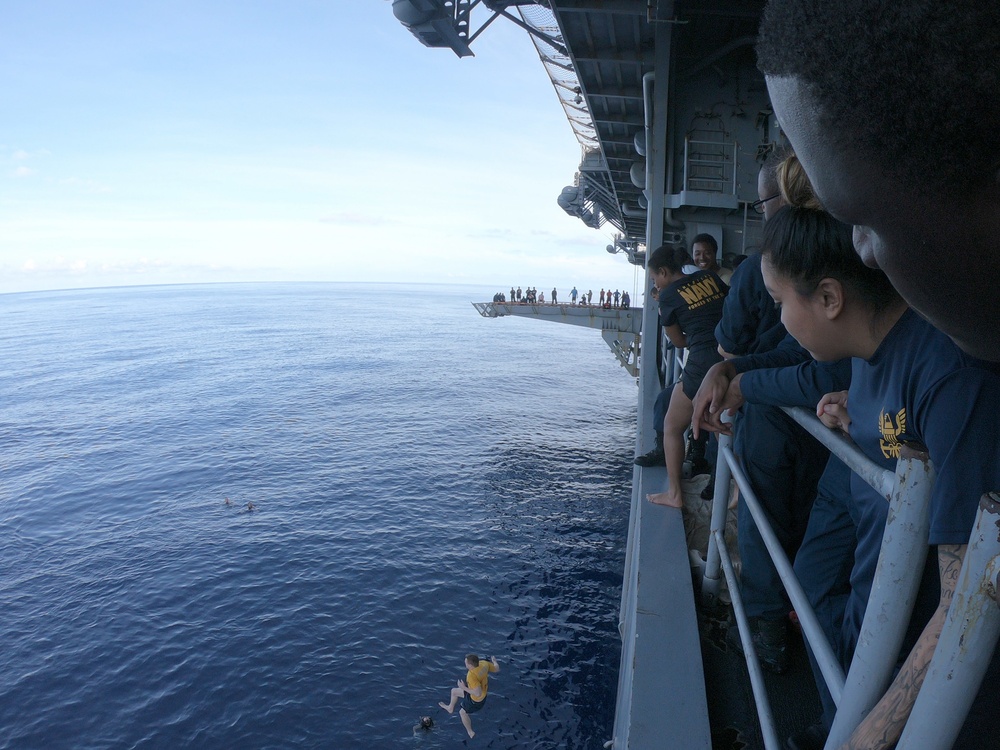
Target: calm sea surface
(425,483)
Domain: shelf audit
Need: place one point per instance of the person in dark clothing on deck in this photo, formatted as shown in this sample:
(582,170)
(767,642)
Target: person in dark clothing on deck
(690,308)
(781,461)
(909,383)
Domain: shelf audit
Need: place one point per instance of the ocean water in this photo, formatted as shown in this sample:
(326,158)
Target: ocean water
(424,483)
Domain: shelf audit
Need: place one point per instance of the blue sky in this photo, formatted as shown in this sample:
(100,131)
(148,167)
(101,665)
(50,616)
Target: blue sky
(148,143)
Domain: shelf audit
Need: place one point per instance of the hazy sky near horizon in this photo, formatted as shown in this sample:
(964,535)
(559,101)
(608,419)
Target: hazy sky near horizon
(146,143)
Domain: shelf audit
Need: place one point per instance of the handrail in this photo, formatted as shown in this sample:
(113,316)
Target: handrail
(967,640)
(881,480)
(765,718)
(970,633)
(825,658)
(894,591)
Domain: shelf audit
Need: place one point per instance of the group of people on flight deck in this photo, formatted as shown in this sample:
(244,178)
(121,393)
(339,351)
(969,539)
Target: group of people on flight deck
(887,343)
(531,296)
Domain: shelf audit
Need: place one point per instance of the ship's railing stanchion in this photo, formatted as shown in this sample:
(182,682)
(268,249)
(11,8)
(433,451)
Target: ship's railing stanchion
(717,528)
(967,641)
(894,590)
(765,718)
(718,556)
(673,360)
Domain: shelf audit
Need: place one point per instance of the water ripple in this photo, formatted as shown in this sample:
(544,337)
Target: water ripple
(423,485)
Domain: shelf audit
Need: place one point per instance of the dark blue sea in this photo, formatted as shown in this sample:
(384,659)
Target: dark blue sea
(425,483)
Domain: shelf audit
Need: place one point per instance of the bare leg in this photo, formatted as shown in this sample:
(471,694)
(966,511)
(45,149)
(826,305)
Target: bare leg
(678,417)
(456,696)
(466,722)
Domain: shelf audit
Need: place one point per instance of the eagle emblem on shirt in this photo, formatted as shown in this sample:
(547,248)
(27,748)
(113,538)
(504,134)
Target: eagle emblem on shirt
(891,428)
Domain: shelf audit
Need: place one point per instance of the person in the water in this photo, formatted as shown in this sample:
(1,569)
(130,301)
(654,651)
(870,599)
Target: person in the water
(424,724)
(472,692)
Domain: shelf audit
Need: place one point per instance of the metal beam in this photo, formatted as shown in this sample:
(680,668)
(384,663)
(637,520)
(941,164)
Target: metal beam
(618,7)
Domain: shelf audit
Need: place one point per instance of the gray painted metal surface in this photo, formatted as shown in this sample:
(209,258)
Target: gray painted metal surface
(967,641)
(624,319)
(880,479)
(661,697)
(619,326)
(897,578)
(764,716)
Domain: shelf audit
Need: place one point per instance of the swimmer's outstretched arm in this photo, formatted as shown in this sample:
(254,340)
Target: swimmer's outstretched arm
(493,660)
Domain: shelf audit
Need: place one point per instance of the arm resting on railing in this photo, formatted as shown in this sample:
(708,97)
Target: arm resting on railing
(884,725)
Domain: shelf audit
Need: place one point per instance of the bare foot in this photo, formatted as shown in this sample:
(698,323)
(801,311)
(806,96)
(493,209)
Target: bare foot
(446,707)
(471,734)
(668,498)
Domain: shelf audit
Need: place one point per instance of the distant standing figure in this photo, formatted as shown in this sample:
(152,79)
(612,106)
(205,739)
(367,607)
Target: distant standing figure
(573,295)
(590,296)
(617,295)
(519,294)
(541,298)
(626,300)
(512,297)
(555,298)
(472,692)
(602,297)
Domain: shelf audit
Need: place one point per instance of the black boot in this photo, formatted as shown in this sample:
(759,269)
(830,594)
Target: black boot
(770,639)
(655,457)
(811,738)
(694,460)
(709,492)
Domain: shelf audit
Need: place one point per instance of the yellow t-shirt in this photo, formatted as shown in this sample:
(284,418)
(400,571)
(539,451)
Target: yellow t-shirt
(480,677)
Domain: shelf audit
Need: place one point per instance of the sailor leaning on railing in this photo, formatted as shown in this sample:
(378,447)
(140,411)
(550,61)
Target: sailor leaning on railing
(910,382)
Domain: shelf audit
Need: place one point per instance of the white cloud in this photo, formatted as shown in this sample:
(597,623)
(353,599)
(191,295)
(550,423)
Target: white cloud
(23,172)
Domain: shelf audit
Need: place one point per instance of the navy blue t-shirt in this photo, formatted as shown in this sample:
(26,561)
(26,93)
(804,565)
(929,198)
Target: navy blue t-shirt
(695,304)
(920,386)
(751,322)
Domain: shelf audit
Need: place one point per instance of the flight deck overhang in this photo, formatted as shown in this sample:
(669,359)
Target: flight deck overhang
(619,326)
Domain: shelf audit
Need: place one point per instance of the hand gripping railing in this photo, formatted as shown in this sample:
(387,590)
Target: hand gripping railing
(904,549)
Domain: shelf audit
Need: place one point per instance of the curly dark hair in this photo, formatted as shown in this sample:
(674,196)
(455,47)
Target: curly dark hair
(670,257)
(915,84)
(706,239)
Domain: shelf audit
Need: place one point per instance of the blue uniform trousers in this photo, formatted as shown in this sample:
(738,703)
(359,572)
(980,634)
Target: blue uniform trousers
(823,566)
(784,464)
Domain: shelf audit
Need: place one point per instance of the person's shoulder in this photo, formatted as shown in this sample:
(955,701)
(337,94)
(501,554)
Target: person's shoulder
(920,344)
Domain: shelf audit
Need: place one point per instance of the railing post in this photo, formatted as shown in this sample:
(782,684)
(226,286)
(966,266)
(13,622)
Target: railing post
(967,640)
(720,505)
(894,591)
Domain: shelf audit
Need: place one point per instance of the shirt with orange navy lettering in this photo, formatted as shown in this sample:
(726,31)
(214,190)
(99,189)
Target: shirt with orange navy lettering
(695,304)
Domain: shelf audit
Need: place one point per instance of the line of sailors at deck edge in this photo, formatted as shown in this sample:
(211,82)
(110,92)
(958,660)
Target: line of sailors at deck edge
(608,300)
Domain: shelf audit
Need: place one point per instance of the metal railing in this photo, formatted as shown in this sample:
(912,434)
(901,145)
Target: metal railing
(971,630)
(672,364)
